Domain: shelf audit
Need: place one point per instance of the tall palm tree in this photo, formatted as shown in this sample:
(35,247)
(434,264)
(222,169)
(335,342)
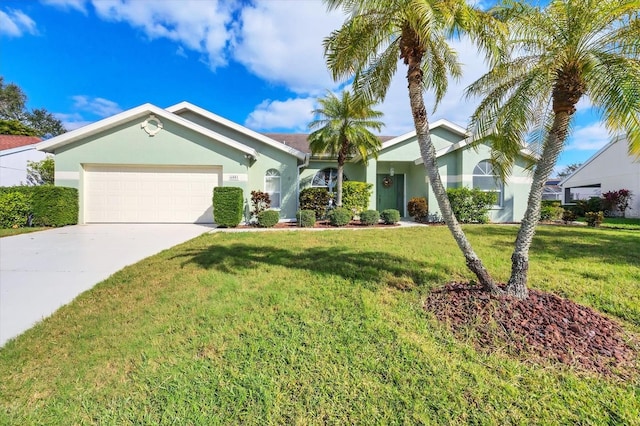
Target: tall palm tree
(379,33)
(343,130)
(564,52)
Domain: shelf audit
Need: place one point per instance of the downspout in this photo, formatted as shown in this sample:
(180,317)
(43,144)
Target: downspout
(305,163)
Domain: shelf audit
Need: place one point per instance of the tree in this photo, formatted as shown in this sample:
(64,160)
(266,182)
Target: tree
(41,172)
(379,33)
(567,50)
(343,130)
(567,170)
(16,119)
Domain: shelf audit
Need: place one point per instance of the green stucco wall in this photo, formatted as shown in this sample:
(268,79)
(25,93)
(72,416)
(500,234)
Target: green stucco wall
(128,143)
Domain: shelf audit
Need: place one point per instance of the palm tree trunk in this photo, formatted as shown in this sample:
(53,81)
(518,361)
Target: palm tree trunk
(339,184)
(517,285)
(428,153)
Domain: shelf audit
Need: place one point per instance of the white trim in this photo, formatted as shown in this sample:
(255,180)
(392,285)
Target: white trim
(187,106)
(62,175)
(279,191)
(235,177)
(18,149)
(52,144)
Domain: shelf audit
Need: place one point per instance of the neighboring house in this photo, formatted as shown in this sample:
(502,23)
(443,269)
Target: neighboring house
(552,190)
(150,164)
(15,151)
(610,169)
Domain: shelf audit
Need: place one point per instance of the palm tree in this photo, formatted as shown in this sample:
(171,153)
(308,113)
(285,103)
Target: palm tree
(343,130)
(377,34)
(568,50)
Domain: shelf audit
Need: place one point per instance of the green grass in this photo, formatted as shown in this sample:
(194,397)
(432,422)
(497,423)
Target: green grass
(310,328)
(8,232)
(618,223)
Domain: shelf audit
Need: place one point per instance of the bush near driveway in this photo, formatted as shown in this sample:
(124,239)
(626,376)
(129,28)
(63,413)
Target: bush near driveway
(227,206)
(47,205)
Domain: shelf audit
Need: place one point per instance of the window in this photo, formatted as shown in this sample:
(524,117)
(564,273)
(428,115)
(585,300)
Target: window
(485,180)
(327,178)
(272,187)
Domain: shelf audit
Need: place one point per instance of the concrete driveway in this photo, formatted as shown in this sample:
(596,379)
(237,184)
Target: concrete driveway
(42,271)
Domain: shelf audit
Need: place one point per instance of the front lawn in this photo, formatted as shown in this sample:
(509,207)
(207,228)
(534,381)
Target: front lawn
(317,328)
(8,232)
(618,223)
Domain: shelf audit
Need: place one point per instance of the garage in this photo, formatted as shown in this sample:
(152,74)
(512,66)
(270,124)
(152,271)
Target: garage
(149,194)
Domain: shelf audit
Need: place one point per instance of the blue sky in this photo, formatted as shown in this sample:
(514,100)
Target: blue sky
(259,64)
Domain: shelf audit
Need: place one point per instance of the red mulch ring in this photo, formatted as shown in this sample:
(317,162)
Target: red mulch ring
(542,327)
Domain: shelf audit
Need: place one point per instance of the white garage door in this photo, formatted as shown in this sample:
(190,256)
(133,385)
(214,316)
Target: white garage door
(155,194)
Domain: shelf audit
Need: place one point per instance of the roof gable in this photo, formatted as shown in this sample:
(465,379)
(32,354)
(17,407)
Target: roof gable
(136,113)
(186,106)
(593,159)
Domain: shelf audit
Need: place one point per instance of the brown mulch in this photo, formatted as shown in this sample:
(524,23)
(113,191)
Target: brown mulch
(325,224)
(543,327)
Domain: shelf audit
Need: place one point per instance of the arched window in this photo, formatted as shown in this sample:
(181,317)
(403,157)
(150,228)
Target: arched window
(272,187)
(486,180)
(327,178)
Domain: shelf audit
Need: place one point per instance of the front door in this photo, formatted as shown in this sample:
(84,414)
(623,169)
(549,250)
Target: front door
(390,191)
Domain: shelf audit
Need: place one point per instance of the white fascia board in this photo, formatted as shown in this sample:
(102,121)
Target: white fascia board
(438,123)
(52,144)
(525,152)
(187,106)
(17,149)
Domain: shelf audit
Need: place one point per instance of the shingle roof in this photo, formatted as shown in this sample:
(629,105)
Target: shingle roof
(299,140)
(15,141)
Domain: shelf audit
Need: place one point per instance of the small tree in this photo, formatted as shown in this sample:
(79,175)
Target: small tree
(260,202)
(41,172)
(617,200)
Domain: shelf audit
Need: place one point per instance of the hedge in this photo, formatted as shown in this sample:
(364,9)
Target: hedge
(339,216)
(390,216)
(306,218)
(369,217)
(471,205)
(356,195)
(48,205)
(316,199)
(268,218)
(227,206)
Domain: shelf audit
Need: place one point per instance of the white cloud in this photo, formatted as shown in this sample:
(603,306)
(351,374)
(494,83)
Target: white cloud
(71,121)
(15,23)
(292,114)
(198,25)
(588,138)
(281,42)
(79,5)
(97,106)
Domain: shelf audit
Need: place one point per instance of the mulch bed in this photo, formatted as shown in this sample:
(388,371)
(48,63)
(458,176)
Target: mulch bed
(325,224)
(543,327)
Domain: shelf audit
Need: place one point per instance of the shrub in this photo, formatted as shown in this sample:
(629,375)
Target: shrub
(568,216)
(306,218)
(594,219)
(390,216)
(339,216)
(54,206)
(616,201)
(471,205)
(550,212)
(418,209)
(268,218)
(369,217)
(14,210)
(355,196)
(48,205)
(316,199)
(582,207)
(260,202)
(227,206)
